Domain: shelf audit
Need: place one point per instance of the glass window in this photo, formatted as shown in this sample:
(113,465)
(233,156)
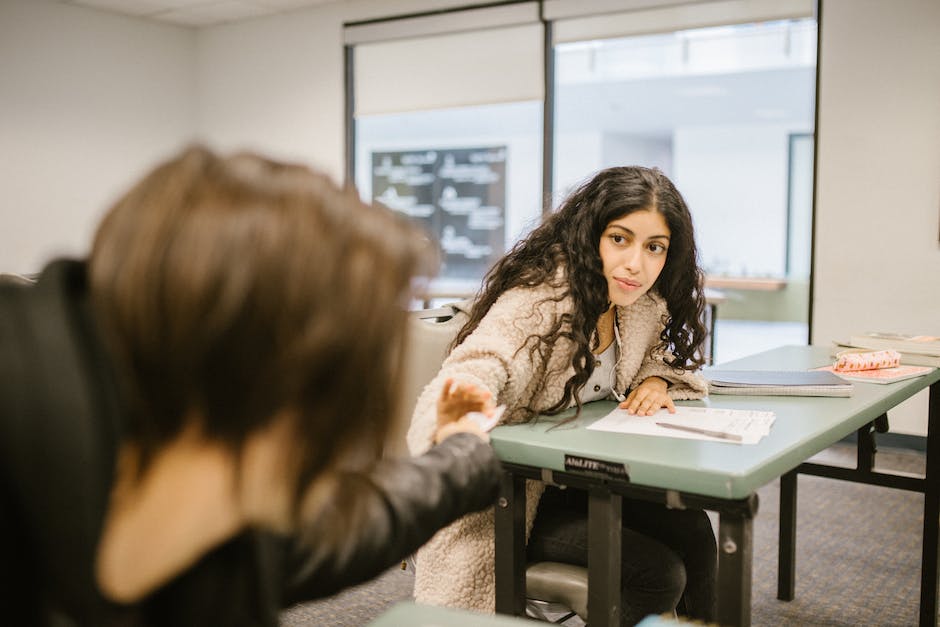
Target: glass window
(448,130)
(718,110)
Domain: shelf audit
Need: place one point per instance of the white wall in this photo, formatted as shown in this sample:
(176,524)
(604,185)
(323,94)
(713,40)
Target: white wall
(276,83)
(877,264)
(88,101)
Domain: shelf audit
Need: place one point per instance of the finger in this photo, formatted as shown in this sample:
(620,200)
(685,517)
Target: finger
(446,403)
(626,402)
(473,396)
(448,389)
(635,405)
(486,405)
(670,405)
(476,394)
(480,397)
(652,404)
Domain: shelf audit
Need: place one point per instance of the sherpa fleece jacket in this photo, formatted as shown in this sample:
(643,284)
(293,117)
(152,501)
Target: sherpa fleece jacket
(456,567)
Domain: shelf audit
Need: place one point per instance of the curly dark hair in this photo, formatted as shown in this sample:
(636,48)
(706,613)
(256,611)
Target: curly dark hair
(569,240)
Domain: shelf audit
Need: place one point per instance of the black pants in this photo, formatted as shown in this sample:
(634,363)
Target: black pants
(670,557)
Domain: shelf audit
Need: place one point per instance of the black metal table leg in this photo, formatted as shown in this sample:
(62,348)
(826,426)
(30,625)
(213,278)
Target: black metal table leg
(735,559)
(928,564)
(712,319)
(604,545)
(509,521)
(865,448)
(786,539)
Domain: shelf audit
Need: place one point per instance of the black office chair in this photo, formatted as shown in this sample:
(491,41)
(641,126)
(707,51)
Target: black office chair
(556,592)
(429,333)
(14,279)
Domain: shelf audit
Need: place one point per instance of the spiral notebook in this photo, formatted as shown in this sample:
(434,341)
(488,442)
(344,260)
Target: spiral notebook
(776,383)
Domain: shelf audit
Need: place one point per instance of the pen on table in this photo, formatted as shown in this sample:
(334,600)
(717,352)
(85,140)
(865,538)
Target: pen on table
(715,434)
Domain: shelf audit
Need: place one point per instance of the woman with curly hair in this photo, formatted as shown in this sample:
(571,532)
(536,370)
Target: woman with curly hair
(602,300)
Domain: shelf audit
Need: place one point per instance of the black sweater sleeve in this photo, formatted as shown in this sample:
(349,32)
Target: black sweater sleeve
(397,509)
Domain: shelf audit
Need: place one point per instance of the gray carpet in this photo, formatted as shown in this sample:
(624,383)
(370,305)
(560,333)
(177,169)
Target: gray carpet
(858,558)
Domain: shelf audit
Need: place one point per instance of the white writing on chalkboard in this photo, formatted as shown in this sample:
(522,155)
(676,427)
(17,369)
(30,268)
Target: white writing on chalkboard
(457,194)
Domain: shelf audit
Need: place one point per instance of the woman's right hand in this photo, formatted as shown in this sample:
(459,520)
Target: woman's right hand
(455,402)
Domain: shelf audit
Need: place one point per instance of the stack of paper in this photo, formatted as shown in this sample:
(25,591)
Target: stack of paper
(738,426)
(923,344)
(776,383)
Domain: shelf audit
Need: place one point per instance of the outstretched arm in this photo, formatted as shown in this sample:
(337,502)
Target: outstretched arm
(397,508)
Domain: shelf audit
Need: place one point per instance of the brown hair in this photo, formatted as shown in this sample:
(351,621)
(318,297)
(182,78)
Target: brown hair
(232,288)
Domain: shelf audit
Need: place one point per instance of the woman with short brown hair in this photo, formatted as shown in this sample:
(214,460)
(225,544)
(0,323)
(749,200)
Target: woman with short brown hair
(191,423)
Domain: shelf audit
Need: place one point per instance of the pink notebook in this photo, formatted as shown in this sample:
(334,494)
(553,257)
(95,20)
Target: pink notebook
(882,375)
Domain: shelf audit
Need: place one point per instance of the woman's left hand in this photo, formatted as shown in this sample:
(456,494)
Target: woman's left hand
(648,398)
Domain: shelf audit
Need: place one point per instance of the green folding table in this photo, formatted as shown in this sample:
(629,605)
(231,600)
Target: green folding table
(718,476)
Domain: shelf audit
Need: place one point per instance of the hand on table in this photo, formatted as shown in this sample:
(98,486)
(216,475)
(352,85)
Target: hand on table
(648,398)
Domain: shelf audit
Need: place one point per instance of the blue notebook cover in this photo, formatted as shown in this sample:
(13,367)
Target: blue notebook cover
(719,376)
(776,382)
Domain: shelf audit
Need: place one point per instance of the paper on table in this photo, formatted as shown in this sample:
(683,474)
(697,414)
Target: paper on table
(486,423)
(751,425)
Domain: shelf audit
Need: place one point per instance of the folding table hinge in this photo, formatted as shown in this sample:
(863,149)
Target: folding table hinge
(674,500)
(548,478)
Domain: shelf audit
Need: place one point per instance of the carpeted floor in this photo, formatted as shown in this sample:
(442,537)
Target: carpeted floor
(858,558)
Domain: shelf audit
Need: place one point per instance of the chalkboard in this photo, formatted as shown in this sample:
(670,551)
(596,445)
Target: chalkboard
(457,194)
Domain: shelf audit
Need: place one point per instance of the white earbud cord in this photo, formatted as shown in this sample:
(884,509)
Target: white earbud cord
(613,372)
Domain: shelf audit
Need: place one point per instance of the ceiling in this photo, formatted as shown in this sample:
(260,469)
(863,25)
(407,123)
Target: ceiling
(197,13)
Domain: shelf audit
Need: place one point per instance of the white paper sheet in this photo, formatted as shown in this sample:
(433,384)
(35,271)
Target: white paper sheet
(749,425)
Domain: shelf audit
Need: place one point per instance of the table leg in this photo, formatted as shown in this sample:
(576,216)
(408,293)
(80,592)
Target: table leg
(866,449)
(786,539)
(735,559)
(604,545)
(712,318)
(928,564)
(509,521)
